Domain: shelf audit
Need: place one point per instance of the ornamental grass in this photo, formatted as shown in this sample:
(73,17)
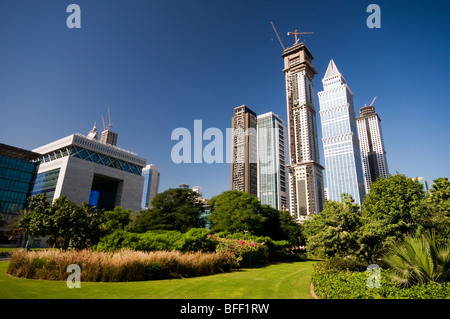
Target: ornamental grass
(118,266)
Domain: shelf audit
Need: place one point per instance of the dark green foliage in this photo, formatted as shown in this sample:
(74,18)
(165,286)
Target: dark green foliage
(174,209)
(353,285)
(419,259)
(393,208)
(66,224)
(168,240)
(236,211)
(116,219)
(334,232)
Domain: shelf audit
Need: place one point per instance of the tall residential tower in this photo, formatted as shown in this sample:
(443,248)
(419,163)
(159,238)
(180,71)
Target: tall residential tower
(305,171)
(272,152)
(244,161)
(372,145)
(340,138)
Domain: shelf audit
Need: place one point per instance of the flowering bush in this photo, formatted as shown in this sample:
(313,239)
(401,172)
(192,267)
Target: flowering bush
(250,251)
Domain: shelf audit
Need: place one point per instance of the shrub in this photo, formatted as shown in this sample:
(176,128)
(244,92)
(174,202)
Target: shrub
(194,240)
(331,282)
(123,265)
(335,264)
(419,259)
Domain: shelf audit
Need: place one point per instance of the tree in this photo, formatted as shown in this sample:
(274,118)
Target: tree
(334,231)
(439,196)
(236,211)
(66,224)
(293,231)
(393,208)
(116,219)
(174,209)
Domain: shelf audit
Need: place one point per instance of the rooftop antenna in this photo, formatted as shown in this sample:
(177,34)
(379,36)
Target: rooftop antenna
(295,33)
(273,26)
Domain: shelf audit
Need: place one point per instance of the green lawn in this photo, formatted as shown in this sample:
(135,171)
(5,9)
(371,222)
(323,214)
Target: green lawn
(275,281)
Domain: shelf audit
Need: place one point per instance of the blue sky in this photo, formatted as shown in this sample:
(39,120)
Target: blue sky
(160,65)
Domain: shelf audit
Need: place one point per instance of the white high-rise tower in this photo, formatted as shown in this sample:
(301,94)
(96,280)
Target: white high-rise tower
(340,138)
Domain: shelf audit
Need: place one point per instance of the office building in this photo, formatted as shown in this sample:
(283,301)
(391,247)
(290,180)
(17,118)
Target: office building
(87,170)
(342,154)
(151,185)
(305,171)
(273,183)
(244,174)
(373,151)
(18,169)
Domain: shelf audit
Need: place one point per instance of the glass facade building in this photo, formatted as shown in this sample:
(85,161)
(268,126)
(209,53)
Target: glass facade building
(151,185)
(272,174)
(342,153)
(17,175)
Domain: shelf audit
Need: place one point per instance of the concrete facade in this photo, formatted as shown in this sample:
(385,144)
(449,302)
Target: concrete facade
(87,166)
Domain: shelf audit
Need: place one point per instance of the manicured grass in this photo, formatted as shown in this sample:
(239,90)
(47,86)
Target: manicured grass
(288,280)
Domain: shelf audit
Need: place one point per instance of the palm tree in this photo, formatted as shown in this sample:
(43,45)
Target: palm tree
(419,259)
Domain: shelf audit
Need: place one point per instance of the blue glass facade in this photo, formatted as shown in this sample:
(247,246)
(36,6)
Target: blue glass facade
(147,186)
(17,176)
(272,173)
(342,153)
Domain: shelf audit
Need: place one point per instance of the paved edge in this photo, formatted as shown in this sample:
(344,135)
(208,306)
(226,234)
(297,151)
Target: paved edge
(311,290)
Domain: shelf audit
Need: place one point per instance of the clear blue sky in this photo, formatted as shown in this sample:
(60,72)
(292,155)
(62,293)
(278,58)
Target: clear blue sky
(159,65)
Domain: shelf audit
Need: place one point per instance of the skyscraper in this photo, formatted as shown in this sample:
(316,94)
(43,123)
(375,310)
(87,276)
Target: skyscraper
(151,185)
(340,137)
(372,145)
(244,151)
(305,171)
(272,151)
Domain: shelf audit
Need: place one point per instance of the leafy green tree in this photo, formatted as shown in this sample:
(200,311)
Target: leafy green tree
(334,232)
(393,208)
(235,212)
(174,209)
(116,219)
(419,259)
(437,205)
(66,224)
(439,196)
(293,231)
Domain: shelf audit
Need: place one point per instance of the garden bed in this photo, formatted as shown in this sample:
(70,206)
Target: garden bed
(123,265)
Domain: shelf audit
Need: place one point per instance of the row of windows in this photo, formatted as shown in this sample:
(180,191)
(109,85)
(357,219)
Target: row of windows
(12,174)
(14,185)
(13,197)
(10,207)
(92,156)
(6,162)
(46,183)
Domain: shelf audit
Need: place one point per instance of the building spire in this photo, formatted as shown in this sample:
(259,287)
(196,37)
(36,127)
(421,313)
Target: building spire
(332,70)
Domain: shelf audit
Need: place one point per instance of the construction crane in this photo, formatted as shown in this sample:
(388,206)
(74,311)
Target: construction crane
(371,104)
(295,33)
(109,118)
(273,26)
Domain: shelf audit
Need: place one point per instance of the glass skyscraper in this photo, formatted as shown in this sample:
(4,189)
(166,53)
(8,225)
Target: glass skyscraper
(343,166)
(151,185)
(18,169)
(273,180)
